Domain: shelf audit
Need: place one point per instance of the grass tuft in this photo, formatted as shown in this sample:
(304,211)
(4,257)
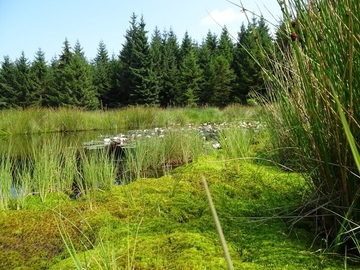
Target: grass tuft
(317,73)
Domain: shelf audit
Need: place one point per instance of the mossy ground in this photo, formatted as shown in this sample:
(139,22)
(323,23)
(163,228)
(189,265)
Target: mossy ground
(166,223)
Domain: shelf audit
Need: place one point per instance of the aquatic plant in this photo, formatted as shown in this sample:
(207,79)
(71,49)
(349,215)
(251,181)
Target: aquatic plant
(6,182)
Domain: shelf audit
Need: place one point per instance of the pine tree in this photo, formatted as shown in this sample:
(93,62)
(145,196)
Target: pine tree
(39,80)
(170,88)
(102,79)
(22,80)
(8,96)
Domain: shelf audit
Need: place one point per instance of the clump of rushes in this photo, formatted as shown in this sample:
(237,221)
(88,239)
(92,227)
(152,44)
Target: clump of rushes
(5,182)
(157,155)
(45,165)
(236,142)
(320,55)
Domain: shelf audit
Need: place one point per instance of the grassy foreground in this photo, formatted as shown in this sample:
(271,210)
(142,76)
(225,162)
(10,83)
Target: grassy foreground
(166,223)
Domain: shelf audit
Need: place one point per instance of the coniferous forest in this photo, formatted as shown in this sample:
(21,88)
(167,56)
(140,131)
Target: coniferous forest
(155,69)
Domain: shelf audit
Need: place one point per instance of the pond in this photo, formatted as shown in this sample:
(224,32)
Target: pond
(77,163)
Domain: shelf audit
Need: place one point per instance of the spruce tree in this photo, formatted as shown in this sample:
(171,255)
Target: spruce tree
(226,46)
(206,54)
(191,79)
(222,82)
(144,90)
(262,52)
(53,97)
(156,59)
(186,46)
(8,96)
(211,42)
(170,88)
(243,64)
(102,75)
(83,91)
(22,80)
(126,58)
(116,71)
(39,80)
(63,89)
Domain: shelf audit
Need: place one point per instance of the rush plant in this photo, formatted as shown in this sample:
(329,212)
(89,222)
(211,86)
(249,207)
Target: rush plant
(314,79)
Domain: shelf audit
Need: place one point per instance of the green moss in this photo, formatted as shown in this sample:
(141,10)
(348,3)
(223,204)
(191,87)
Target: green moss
(166,223)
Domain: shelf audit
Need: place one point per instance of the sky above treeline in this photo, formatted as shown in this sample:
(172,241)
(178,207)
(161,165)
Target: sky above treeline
(27,25)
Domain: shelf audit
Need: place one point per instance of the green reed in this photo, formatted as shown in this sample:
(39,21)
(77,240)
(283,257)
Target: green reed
(319,64)
(5,182)
(45,165)
(236,142)
(157,155)
(98,169)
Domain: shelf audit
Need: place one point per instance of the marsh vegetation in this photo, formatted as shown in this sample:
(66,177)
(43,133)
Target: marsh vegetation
(285,189)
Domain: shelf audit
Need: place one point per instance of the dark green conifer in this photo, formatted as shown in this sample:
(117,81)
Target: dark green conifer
(144,90)
(251,55)
(222,82)
(22,81)
(102,75)
(126,58)
(83,91)
(226,46)
(39,80)
(170,88)
(116,100)
(8,95)
(211,42)
(191,79)
(186,46)
(63,89)
(53,97)
(156,59)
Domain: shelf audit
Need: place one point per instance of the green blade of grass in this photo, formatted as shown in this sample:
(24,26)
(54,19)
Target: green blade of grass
(218,225)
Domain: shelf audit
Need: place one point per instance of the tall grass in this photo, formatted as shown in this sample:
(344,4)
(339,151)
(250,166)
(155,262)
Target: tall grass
(155,156)
(320,57)
(5,182)
(236,142)
(42,120)
(53,165)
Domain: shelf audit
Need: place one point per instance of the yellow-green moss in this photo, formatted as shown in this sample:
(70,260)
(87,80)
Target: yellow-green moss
(166,223)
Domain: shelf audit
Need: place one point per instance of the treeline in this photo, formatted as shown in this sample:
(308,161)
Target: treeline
(160,71)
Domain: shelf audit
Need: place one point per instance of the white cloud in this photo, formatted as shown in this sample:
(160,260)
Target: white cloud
(222,17)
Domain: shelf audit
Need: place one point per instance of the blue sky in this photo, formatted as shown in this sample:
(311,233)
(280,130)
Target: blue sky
(26,25)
